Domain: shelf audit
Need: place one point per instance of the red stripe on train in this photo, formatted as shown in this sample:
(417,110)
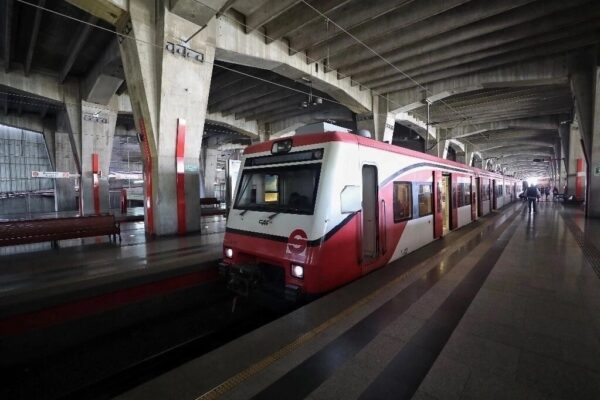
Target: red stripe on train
(331,264)
(44,318)
(316,138)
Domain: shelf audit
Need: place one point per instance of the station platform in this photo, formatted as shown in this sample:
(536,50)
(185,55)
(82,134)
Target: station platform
(505,308)
(45,293)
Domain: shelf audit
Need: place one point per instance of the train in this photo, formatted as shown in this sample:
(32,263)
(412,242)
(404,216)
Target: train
(317,210)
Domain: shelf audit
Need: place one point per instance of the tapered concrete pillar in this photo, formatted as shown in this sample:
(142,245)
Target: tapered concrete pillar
(576,162)
(210,171)
(49,132)
(98,124)
(64,195)
(168,82)
(380,122)
(593,207)
(438,149)
(564,132)
(91,128)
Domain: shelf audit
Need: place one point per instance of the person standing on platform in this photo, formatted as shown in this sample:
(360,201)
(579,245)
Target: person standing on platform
(547,192)
(533,194)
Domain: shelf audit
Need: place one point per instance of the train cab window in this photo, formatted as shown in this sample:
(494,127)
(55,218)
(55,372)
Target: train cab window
(425,200)
(271,191)
(287,189)
(402,201)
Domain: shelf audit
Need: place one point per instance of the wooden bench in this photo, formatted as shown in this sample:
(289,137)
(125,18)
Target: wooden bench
(210,201)
(45,230)
(211,206)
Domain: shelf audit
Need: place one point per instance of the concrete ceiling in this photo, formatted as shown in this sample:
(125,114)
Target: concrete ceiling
(420,45)
(432,41)
(41,41)
(255,94)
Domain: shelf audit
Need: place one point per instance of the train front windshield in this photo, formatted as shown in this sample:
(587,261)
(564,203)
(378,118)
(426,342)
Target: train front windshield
(289,189)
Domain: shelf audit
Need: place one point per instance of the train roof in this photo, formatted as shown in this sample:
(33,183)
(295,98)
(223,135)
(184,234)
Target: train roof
(327,137)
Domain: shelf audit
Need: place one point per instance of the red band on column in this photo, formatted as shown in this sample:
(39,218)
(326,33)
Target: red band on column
(180,177)
(148,205)
(579,186)
(96,181)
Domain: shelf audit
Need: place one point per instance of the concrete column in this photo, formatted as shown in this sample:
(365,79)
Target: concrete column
(461,157)
(575,153)
(98,124)
(210,171)
(468,154)
(562,181)
(49,132)
(65,196)
(166,87)
(582,69)
(440,149)
(71,121)
(564,131)
(380,122)
(264,132)
(593,201)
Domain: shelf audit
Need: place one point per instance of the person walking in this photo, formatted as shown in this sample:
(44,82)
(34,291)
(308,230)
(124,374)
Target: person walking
(547,192)
(533,194)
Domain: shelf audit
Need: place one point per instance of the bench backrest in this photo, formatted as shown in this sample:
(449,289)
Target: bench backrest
(208,201)
(60,227)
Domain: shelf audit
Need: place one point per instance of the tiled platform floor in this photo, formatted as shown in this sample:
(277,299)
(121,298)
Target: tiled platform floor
(533,330)
(508,309)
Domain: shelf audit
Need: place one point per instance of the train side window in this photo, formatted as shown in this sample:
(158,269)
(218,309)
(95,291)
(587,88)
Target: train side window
(467,193)
(464,194)
(402,201)
(425,200)
(485,192)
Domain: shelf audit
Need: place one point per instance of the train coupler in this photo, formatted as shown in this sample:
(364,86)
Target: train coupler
(292,293)
(242,279)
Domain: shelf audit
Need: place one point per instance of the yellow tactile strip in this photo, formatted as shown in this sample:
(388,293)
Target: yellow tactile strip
(261,365)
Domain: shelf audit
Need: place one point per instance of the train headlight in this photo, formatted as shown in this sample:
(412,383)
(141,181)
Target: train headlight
(281,146)
(297,271)
(228,252)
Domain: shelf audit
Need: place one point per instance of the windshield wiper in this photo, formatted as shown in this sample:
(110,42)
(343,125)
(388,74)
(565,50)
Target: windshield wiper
(270,217)
(243,212)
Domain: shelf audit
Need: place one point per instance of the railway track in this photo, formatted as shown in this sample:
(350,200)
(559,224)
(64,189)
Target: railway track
(112,364)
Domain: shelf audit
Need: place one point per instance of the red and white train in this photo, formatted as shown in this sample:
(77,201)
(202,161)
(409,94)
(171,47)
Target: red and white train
(315,211)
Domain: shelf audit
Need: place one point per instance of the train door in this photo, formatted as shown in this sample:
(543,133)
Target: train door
(479,193)
(446,203)
(438,217)
(453,185)
(474,201)
(494,200)
(370,214)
